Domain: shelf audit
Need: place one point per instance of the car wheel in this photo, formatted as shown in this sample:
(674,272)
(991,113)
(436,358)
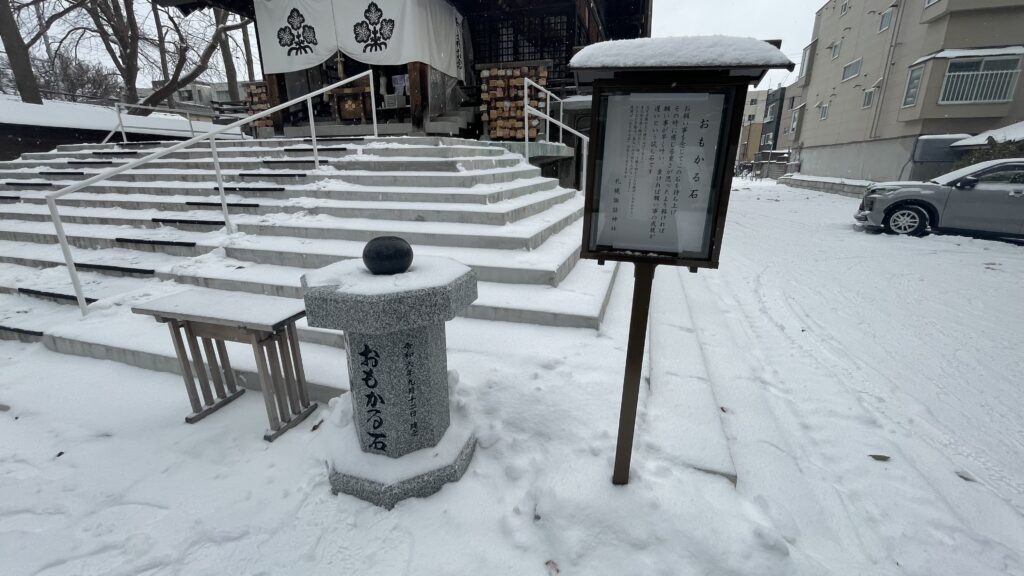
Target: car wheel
(906,220)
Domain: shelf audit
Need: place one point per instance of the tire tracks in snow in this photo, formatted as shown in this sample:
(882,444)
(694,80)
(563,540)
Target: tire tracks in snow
(859,494)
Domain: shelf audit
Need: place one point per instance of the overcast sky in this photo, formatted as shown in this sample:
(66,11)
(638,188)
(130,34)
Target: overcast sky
(788,20)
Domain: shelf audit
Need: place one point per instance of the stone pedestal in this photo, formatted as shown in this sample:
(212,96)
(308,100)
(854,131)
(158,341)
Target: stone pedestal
(398,374)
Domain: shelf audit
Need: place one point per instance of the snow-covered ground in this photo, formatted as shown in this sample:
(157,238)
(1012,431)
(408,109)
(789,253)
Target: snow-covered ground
(868,386)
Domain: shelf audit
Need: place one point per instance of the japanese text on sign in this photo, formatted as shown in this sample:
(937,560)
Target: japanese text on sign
(657,171)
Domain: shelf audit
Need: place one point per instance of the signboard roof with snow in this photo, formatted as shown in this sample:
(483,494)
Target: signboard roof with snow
(709,52)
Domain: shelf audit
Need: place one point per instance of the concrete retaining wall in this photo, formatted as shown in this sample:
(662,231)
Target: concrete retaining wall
(879,160)
(853,189)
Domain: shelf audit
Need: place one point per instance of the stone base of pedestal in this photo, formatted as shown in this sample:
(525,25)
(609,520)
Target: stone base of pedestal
(386,481)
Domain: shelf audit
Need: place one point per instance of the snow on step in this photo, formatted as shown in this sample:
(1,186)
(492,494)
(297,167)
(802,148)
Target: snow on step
(325,189)
(456,198)
(528,232)
(578,301)
(545,264)
(681,416)
(496,213)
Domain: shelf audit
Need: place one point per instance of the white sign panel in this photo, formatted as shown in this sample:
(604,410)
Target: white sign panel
(657,172)
(298,34)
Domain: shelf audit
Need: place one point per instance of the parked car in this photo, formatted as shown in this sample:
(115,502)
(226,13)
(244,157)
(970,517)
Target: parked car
(985,198)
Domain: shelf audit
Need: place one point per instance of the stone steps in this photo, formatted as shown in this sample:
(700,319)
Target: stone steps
(279,142)
(39,271)
(328,190)
(14,179)
(528,233)
(498,213)
(548,264)
(477,203)
(243,161)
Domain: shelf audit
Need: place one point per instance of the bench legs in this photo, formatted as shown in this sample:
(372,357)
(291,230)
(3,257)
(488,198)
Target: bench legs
(282,380)
(209,404)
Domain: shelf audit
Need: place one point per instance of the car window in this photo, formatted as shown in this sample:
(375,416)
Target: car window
(1004,175)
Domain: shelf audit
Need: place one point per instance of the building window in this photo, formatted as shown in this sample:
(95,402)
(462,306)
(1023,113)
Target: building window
(869,98)
(852,70)
(805,62)
(770,115)
(824,111)
(750,117)
(980,80)
(753,101)
(795,121)
(792,102)
(913,86)
(885,21)
(767,140)
(837,47)
(844,7)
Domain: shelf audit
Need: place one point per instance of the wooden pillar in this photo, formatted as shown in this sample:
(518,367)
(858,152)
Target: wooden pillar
(274,98)
(418,95)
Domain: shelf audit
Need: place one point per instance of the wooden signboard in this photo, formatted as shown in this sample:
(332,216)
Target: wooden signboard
(661,171)
(665,129)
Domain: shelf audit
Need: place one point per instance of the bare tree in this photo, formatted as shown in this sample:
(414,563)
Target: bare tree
(18,56)
(143,37)
(162,49)
(247,50)
(78,79)
(224,42)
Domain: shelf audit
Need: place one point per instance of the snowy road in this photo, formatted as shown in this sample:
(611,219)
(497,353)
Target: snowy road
(863,344)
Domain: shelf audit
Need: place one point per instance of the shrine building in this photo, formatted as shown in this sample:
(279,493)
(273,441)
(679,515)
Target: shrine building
(440,67)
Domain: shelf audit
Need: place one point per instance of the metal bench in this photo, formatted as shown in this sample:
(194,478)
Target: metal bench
(209,318)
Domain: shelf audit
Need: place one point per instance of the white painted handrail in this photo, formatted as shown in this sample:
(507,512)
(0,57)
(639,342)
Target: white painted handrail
(119,108)
(527,83)
(51,199)
(584,139)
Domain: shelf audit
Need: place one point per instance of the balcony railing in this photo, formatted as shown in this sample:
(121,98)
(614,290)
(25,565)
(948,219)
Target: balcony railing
(979,87)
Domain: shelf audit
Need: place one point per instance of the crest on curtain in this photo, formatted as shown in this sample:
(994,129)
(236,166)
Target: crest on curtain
(298,37)
(374,32)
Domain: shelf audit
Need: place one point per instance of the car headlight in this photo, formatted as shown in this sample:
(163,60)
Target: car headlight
(881,190)
(869,203)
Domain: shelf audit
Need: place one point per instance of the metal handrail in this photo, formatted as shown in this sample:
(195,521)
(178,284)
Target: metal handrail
(120,106)
(51,199)
(584,139)
(561,105)
(982,87)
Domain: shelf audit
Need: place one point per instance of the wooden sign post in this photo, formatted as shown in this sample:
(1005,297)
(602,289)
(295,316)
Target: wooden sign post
(665,128)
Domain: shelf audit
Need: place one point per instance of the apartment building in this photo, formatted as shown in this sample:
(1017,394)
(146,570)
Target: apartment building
(753,119)
(772,119)
(878,74)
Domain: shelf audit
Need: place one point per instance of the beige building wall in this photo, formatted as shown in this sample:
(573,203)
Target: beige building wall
(753,117)
(885,58)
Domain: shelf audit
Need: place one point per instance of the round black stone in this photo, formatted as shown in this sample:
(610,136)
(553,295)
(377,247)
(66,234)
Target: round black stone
(387,255)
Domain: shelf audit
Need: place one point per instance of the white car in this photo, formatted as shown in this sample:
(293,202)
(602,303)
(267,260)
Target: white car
(985,198)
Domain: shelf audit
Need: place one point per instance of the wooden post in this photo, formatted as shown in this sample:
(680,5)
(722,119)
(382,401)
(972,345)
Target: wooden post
(273,99)
(418,95)
(273,89)
(644,279)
